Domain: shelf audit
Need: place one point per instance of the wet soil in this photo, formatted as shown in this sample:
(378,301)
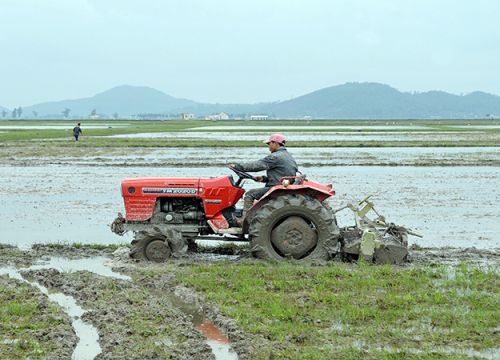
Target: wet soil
(53,154)
(454,256)
(114,312)
(140,310)
(322,136)
(143,312)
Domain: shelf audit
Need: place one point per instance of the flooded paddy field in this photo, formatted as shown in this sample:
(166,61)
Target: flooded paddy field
(199,132)
(320,136)
(299,128)
(402,126)
(208,156)
(454,206)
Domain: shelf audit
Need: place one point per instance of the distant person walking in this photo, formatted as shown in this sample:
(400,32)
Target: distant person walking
(77,131)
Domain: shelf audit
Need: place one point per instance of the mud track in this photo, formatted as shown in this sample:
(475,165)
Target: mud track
(151,315)
(126,311)
(59,337)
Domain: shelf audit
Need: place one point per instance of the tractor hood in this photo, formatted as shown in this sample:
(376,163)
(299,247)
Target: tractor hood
(158,185)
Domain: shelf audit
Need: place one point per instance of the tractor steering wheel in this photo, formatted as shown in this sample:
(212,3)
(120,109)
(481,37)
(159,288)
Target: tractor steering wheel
(242,175)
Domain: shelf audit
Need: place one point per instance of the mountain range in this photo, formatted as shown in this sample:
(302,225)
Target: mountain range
(347,101)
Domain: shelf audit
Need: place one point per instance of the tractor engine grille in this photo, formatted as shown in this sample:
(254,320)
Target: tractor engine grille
(179,211)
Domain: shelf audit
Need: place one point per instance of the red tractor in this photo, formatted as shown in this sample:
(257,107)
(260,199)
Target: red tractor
(292,220)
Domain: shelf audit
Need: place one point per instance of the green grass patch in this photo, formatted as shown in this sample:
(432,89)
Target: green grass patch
(10,251)
(130,127)
(24,322)
(324,312)
(110,247)
(81,246)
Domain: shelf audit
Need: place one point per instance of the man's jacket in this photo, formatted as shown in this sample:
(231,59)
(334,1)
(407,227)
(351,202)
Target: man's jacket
(278,164)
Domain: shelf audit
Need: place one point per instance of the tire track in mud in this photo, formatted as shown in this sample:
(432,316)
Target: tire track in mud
(87,346)
(59,338)
(142,324)
(143,318)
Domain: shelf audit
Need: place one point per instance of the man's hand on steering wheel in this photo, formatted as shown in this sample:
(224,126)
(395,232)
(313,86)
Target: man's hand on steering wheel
(242,174)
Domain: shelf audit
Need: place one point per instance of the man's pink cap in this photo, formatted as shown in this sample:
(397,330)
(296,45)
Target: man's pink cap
(278,138)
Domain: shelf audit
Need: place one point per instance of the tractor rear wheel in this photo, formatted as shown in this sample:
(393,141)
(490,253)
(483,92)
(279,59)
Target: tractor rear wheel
(293,226)
(150,245)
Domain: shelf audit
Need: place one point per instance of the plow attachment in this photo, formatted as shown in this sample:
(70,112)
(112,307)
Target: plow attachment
(374,240)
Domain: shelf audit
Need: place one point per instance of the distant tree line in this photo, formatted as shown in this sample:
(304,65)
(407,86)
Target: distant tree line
(16,113)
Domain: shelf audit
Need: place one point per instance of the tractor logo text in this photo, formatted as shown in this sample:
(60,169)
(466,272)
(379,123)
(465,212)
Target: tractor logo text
(182,191)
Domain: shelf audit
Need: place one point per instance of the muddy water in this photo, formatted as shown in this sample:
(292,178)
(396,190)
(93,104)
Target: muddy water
(88,346)
(312,127)
(321,136)
(451,206)
(96,265)
(218,342)
(200,157)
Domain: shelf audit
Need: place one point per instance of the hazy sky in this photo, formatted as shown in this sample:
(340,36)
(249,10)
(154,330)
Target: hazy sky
(244,51)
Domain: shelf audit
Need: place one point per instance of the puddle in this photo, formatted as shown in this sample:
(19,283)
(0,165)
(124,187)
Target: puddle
(493,353)
(95,265)
(490,353)
(88,346)
(218,342)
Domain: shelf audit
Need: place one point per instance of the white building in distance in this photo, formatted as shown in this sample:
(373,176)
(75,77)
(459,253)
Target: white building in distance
(187,116)
(215,117)
(259,117)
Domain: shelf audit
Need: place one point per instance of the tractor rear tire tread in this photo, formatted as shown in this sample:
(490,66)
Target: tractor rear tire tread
(264,219)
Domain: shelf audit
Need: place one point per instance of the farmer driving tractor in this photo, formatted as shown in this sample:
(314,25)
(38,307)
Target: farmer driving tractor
(277,165)
(168,214)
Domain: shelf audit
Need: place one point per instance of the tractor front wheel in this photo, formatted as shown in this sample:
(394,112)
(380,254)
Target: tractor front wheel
(295,227)
(149,245)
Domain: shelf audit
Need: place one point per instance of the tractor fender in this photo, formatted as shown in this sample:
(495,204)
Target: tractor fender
(308,188)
